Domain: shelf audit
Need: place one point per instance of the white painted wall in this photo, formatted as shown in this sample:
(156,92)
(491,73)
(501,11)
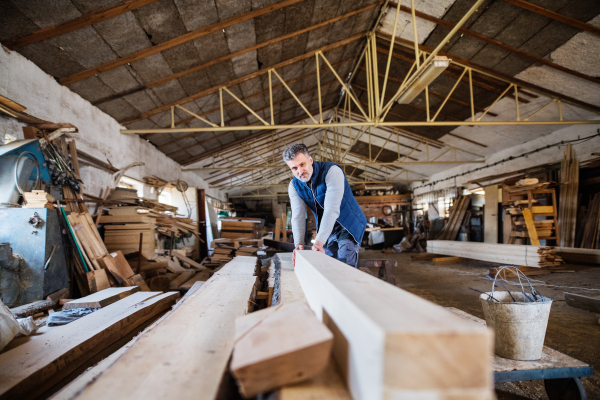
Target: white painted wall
(583,151)
(22,81)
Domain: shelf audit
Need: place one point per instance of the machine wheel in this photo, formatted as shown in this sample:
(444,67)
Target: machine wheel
(565,389)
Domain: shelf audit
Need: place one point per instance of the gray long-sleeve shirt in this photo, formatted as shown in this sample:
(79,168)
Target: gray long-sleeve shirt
(334,180)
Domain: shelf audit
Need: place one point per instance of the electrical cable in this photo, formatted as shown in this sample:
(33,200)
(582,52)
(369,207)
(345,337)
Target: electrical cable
(511,158)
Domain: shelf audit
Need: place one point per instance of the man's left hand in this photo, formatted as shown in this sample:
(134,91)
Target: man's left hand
(318,246)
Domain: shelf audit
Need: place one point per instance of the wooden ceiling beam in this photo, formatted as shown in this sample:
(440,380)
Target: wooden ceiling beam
(138,55)
(236,81)
(233,55)
(500,75)
(556,16)
(75,24)
(499,44)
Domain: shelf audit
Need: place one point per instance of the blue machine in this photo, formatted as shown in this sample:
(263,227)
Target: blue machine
(32,254)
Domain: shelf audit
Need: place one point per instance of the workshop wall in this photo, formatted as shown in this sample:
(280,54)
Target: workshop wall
(23,82)
(583,150)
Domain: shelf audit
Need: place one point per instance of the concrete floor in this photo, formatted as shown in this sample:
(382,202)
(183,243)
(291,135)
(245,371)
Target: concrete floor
(571,331)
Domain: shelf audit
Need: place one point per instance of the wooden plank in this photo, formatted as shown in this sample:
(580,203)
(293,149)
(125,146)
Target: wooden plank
(102,298)
(97,280)
(490,215)
(32,368)
(117,265)
(183,277)
(191,262)
(198,277)
(134,227)
(27,310)
(159,364)
(531,229)
(127,219)
(277,229)
(583,302)
(447,260)
(390,343)
(284,227)
(137,280)
(278,346)
(579,256)
(72,390)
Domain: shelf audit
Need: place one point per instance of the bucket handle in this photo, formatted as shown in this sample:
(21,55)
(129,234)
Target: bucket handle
(518,273)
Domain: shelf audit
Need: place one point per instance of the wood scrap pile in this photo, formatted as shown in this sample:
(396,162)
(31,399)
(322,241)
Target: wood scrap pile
(38,199)
(527,256)
(456,220)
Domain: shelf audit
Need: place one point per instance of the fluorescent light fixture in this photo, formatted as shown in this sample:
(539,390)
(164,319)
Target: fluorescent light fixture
(418,84)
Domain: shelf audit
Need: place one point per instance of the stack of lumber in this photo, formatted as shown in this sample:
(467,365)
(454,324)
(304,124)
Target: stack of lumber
(183,356)
(222,254)
(233,228)
(33,366)
(456,220)
(38,199)
(569,190)
(122,229)
(390,343)
(246,251)
(579,256)
(528,256)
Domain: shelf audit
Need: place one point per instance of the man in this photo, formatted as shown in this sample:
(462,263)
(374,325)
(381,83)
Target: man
(323,187)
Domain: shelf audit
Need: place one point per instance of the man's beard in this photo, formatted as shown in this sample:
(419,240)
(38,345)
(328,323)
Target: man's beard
(306,178)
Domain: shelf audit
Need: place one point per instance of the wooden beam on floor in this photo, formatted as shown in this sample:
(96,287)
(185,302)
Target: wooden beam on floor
(75,24)
(184,356)
(447,260)
(583,302)
(390,343)
(138,55)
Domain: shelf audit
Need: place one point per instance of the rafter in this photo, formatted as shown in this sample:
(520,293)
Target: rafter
(236,81)
(138,55)
(197,68)
(498,44)
(556,16)
(75,24)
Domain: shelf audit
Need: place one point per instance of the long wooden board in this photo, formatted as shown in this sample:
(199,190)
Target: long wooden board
(390,343)
(102,298)
(186,355)
(30,369)
(499,253)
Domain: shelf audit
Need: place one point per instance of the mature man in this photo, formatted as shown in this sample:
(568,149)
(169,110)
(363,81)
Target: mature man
(323,187)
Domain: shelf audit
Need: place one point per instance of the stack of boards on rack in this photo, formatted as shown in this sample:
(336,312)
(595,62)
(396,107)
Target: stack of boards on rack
(226,249)
(234,228)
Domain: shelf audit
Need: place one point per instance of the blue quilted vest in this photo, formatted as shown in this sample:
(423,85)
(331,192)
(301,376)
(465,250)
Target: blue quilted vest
(351,216)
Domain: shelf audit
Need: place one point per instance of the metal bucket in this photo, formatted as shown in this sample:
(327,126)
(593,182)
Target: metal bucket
(519,321)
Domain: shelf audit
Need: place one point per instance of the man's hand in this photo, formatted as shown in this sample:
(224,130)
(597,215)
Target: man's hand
(299,247)
(318,246)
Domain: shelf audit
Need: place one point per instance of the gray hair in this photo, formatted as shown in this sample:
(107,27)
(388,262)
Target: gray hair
(293,150)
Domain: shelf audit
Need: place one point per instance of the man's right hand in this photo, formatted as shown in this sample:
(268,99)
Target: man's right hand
(299,247)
